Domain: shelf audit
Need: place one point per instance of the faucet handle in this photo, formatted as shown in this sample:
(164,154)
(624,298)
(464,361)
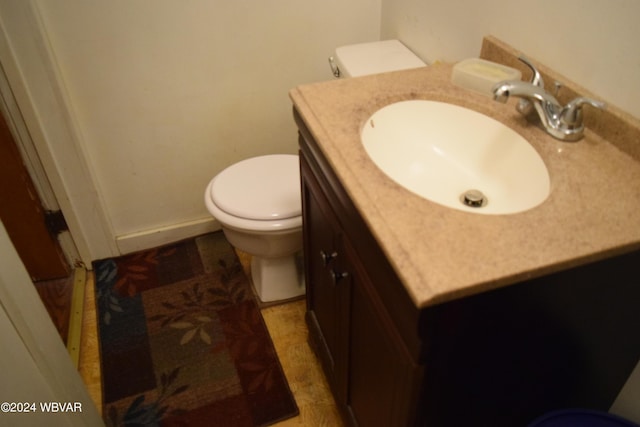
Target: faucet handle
(571,114)
(536,78)
(525,107)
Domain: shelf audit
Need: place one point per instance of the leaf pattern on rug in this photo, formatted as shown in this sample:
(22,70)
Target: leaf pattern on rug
(140,413)
(231,292)
(109,301)
(193,297)
(263,375)
(197,308)
(193,314)
(136,270)
(249,349)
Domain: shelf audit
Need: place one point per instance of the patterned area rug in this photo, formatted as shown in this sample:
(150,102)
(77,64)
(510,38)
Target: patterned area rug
(182,341)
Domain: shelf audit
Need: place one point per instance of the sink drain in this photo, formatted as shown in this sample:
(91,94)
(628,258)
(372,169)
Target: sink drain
(474,199)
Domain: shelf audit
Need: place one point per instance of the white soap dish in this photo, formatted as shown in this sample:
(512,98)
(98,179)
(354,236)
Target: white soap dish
(481,75)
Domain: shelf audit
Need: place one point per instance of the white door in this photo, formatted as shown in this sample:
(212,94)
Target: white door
(39,384)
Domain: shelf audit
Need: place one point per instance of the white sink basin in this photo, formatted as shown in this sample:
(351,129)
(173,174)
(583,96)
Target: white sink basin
(442,151)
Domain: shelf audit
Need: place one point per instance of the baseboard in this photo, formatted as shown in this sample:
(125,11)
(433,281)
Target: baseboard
(133,242)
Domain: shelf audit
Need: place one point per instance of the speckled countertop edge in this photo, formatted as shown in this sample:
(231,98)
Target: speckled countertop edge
(441,254)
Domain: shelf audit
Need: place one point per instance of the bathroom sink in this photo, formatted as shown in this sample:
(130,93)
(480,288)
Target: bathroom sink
(456,157)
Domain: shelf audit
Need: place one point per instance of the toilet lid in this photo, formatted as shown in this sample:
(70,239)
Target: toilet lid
(260,188)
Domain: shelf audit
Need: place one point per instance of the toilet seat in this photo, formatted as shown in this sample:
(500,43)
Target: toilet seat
(260,193)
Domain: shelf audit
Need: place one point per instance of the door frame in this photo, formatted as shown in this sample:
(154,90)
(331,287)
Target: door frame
(29,156)
(34,81)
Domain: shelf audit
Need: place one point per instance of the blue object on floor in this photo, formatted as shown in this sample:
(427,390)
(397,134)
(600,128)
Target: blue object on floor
(580,418)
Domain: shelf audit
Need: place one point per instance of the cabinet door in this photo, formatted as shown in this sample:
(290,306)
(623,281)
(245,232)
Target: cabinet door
(383,380)
(327,295)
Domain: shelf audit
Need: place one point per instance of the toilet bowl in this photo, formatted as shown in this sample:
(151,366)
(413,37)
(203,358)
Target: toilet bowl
(257,203)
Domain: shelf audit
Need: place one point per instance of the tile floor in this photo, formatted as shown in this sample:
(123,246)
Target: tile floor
(289,333)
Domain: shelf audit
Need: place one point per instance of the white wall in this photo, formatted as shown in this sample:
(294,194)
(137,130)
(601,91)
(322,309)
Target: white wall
(168,93)
(594,43)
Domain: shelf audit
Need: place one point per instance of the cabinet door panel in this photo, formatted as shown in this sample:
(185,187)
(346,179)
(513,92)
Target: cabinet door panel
(323,293)
(379,376)
(327,299)
(382,376)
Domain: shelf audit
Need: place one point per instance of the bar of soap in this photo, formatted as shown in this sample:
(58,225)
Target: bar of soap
(481,75)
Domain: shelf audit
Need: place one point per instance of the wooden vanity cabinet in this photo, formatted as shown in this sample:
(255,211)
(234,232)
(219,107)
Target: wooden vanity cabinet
(499,358)
(373,376)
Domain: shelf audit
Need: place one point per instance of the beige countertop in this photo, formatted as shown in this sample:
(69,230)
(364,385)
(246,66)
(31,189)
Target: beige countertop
(592,212)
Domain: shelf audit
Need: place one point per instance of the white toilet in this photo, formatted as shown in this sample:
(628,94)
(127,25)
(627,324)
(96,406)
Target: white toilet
(257,200)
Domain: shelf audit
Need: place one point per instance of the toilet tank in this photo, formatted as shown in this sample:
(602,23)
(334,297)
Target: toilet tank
(372,58)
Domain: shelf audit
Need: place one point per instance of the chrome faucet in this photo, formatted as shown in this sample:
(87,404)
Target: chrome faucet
(564,123)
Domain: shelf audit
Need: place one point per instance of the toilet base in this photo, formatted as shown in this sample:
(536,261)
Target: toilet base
(277,279)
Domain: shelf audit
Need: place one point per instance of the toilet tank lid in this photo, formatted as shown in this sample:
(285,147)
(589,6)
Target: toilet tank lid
(375,57)
(260,188)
